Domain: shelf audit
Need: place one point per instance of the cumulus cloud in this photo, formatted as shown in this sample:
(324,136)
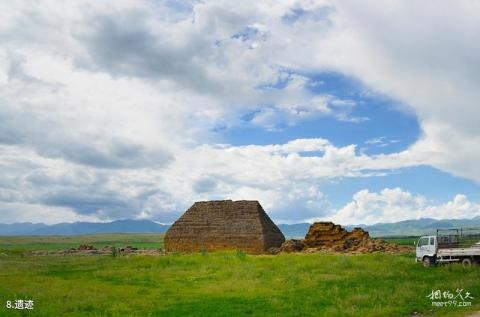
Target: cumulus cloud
(107,110)
(427,62)
(286,178)
(396,204)
(16,212)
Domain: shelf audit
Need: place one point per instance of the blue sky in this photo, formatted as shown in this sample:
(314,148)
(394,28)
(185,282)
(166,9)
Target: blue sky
(384,120)
(137,109)
(391,127)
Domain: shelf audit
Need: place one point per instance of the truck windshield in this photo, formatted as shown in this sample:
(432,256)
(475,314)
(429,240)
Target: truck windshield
(422,242)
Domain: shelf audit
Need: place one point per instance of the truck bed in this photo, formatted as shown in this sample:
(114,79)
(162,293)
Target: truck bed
(472,251)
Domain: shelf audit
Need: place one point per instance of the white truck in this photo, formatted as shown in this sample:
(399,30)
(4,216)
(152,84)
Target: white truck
(449,245)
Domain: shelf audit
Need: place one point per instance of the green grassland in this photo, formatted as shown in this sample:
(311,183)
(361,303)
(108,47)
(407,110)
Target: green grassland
(228,284)
(55,243)
(410,240)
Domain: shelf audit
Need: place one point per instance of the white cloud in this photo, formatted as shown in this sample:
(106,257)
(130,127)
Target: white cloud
(111,105)
(286,178)
(38,213)
(424,55)
(381,141)
(395,204)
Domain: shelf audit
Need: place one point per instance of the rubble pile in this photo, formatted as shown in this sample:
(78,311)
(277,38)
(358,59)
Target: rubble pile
(85,249)
(329,237)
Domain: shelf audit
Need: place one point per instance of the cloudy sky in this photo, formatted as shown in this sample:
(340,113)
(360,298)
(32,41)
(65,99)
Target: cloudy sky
(351,111)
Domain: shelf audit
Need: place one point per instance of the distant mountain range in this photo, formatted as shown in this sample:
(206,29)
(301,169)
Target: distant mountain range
(403,228)
(118,226)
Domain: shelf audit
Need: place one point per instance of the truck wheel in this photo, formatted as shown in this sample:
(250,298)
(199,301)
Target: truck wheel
(427,261)
(467,262)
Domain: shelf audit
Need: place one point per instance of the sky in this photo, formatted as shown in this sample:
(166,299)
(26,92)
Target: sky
(356,112)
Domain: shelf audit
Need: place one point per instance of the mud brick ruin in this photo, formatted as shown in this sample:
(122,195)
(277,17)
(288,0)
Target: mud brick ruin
(224,225)
(329,237)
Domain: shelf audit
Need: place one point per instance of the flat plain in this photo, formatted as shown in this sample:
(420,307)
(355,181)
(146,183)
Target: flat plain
(221,283)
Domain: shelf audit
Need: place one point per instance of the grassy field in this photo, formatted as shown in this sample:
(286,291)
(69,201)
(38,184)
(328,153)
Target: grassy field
(410,241)
(229,284)
(23,243)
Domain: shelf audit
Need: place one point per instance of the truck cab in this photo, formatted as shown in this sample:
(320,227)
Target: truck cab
(426,250)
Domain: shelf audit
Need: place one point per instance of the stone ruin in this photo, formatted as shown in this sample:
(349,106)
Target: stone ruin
(224,225)
(329,237)
(85,249)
